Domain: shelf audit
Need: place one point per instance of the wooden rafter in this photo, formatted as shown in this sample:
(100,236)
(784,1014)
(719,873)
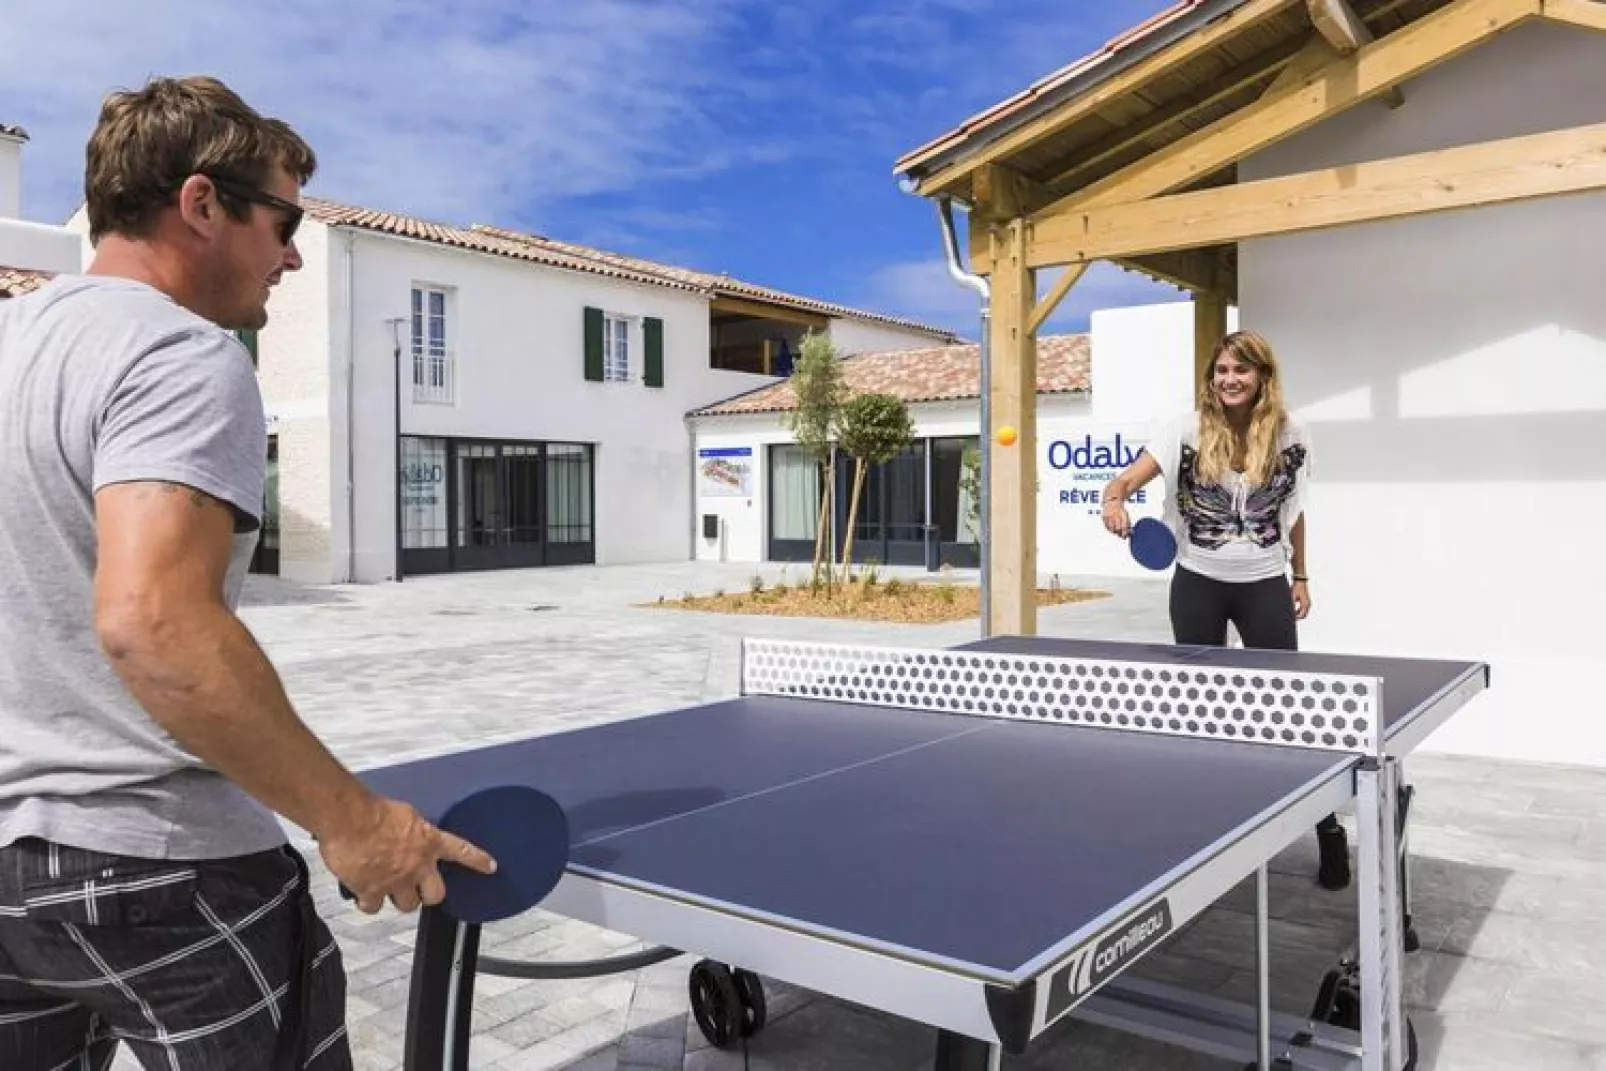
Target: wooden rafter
(1342,84)
(1340,27)
(739,307)
(1588,14)
(1199,271)
(1089,159)
(947,179)
(1513,169)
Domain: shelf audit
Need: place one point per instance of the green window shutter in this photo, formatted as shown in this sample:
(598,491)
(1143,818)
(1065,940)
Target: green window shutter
(248,339)
(594,344)
(653,367)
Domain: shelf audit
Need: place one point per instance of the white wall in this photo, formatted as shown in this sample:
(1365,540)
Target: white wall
(1454,370)
(10,177)
(1142,374)
(38,247)
(302,403)
(862,336)
(517,330)
(35,246)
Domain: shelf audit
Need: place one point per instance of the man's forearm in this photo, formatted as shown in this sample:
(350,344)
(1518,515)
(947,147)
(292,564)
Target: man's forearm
(203,678)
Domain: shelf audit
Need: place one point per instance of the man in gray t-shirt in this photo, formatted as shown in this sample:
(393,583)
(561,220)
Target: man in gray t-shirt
(147,891)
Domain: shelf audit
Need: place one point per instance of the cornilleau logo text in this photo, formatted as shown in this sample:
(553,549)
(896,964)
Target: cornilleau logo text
(1093,963)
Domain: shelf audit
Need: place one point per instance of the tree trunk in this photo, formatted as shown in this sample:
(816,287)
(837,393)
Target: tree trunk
(853,517)
(819,538)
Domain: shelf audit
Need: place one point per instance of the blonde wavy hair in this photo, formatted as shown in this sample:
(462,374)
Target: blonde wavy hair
(1217,441)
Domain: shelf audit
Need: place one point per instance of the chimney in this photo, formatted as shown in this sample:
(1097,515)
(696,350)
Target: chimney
(11,139)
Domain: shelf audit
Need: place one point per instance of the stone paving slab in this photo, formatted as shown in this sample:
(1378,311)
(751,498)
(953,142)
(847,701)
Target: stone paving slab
(1509,865)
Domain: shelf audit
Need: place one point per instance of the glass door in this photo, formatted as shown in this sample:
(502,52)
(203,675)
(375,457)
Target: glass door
(794,491)
(892,508)
(570,516)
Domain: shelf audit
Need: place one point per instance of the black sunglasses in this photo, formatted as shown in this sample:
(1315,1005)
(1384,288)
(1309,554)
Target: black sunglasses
(292,213)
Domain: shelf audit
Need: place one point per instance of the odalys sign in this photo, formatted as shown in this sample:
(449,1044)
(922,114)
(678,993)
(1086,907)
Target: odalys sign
(1078,466)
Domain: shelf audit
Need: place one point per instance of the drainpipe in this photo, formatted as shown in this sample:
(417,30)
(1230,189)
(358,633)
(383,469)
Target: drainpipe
(984,507)
(351,407)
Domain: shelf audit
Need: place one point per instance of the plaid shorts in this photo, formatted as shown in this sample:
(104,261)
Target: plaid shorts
(195,965)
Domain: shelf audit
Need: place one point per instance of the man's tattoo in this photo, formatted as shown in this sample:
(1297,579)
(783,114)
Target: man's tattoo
(198,499)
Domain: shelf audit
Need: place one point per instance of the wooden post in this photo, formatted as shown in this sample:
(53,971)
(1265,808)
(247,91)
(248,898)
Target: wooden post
(1209,325)
(1013,492)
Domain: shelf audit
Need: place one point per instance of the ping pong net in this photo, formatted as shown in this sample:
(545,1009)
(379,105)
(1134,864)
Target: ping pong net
(1288,708)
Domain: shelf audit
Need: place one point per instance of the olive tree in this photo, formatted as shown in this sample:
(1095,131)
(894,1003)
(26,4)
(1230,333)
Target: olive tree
(875,429)
(817,385)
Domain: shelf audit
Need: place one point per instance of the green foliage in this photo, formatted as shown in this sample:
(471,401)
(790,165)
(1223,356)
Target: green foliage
(817,384)
(970,486)
(875,428)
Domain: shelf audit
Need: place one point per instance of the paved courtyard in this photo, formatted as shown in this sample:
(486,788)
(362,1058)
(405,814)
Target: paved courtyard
(1510,860)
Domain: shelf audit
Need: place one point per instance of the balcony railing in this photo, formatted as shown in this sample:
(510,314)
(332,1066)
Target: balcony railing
(435,377)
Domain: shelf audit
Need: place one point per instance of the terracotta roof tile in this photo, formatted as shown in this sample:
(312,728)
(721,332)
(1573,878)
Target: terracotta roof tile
(14,282)
(499,241)
(943,373)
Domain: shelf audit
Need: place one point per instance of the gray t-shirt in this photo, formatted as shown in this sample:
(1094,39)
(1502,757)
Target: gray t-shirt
(106,380)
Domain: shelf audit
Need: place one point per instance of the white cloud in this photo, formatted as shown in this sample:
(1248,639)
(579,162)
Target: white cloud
(923,290)
(472,110)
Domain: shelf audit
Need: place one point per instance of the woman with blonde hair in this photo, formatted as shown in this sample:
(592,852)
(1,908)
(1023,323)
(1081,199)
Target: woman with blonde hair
(1238,468)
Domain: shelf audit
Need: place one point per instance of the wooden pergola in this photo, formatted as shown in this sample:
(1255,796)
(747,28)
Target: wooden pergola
(1131,157)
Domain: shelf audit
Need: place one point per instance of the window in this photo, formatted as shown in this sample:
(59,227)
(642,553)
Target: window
(423,479)
(432,355)
(615,349)
(794,493)
(568,497)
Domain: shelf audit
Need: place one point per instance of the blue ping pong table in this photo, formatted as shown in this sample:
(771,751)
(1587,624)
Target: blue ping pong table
(979,838)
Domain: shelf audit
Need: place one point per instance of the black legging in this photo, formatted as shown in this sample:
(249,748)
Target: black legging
(1263,611)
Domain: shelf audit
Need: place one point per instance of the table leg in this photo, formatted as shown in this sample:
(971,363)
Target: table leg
(1263,969)
(1382,1025)
(440,1003)
(956,1052)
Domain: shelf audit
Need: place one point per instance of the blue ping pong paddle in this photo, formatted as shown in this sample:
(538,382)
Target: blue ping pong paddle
(1152,544)
(526,832)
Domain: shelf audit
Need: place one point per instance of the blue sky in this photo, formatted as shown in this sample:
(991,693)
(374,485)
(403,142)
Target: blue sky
(755,137)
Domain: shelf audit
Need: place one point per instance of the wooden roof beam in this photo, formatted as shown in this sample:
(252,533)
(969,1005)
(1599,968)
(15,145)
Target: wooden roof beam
(1496,172)
(1340,27)
(1342,84)
(950,179)
(739,307)
(1068,180)
(1199,271)
(1586,14)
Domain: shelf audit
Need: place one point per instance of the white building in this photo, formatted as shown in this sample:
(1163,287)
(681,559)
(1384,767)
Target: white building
(30,253)
(1454,369)
(542,390)
(1100,396)
(1450,363)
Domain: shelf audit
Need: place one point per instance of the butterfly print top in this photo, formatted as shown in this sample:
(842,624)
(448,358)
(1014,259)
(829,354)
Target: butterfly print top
(1231,531)
(1214,514)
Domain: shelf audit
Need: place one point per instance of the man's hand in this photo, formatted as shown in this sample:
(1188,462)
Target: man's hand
(391,852)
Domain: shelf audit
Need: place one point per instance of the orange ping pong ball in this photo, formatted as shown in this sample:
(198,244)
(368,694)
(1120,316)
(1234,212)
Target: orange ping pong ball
(1006,436)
